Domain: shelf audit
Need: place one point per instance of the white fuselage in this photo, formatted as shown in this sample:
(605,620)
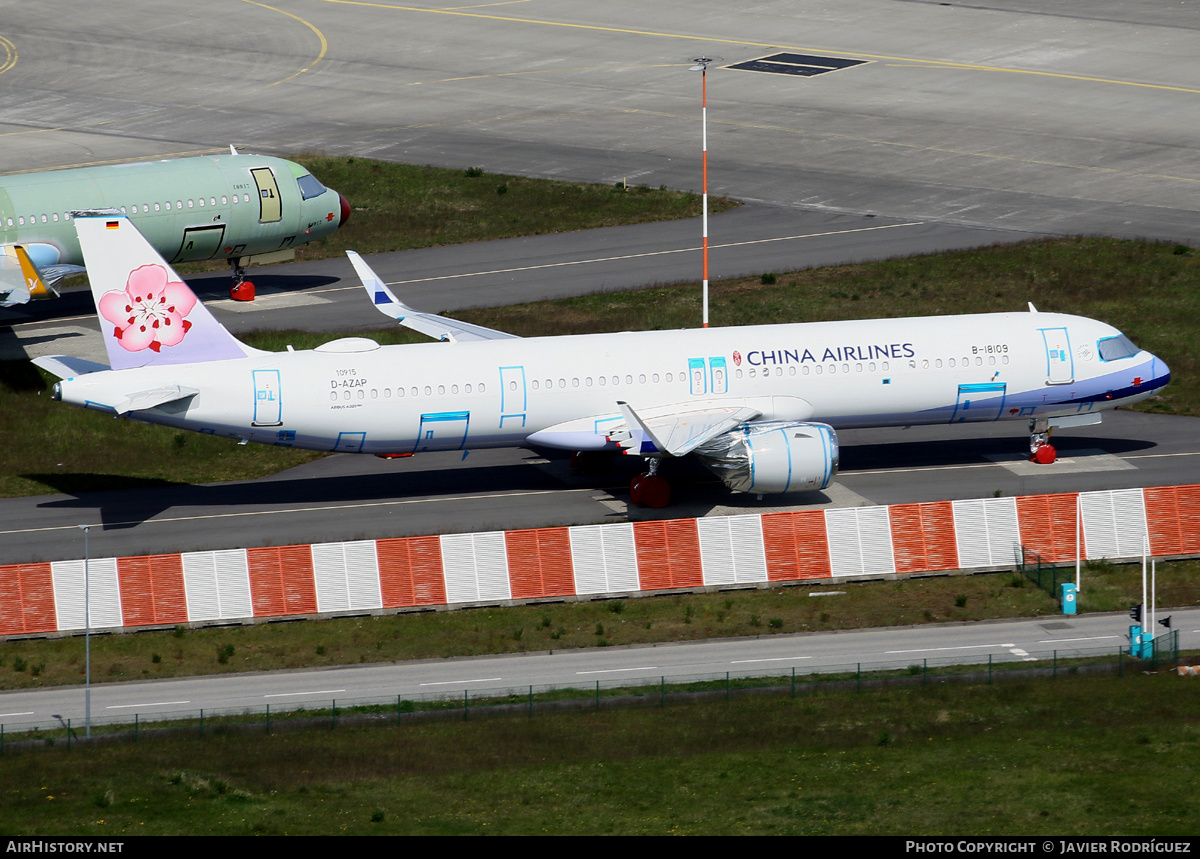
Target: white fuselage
(355,396)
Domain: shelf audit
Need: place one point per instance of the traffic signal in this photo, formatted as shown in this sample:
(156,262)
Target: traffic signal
(1135,612)
(1166,621)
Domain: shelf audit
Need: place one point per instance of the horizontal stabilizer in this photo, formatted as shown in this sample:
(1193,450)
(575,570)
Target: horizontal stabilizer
(52,274)
(678,433)
(66,367)
(429,324)
(153,397)
(20,279)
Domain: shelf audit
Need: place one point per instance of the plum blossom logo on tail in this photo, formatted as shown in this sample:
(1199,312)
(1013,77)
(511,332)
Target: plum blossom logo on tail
(150,313)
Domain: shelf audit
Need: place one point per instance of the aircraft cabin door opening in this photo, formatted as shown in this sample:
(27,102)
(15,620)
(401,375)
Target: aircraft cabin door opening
(268,407)
(1060,366)
(514,399)
(270,209)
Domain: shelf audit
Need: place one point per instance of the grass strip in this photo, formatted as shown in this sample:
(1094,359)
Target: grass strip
(1018,758)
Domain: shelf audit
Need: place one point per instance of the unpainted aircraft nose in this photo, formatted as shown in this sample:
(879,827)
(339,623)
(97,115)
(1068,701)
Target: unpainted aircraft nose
(345,211)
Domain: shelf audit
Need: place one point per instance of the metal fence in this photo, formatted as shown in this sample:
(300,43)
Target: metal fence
(660,692)
(1047,575)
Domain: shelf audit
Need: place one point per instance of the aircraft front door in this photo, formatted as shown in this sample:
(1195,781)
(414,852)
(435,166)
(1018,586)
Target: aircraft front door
(1060,366)
(270,209)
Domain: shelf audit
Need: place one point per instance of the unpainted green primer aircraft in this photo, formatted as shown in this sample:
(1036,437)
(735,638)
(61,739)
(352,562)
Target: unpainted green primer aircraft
(243,208)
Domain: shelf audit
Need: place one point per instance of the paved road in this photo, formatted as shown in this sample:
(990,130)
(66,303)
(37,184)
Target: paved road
(1027,641)
(1075,119)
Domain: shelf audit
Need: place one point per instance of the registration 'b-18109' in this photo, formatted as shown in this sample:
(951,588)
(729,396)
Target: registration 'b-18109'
(759,405)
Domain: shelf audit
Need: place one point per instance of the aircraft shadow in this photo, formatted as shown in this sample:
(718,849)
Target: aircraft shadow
(210,286)
(925,454)
(128,502)
(125,502)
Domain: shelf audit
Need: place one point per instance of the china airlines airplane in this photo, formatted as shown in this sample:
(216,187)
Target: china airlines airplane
(759,405)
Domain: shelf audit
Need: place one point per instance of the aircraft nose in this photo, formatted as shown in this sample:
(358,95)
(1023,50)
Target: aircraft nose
(345,211)
(1161,371)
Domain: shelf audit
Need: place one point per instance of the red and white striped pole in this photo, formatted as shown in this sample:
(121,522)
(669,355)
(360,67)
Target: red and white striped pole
(702,67)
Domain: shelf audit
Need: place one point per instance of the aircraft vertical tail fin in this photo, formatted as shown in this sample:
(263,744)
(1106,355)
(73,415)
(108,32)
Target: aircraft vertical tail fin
(148,315)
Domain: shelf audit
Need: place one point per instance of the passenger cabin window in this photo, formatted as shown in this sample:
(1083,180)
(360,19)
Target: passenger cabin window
(309,187)
(1116,348)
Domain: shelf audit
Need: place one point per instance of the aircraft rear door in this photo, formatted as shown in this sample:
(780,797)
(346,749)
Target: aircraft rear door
(270,209)
(268,406)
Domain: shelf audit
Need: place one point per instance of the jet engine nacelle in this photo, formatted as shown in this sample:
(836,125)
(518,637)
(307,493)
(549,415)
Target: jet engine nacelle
(773,456)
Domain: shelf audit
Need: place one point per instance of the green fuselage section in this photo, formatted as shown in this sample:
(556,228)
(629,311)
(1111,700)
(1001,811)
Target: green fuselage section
(208,207)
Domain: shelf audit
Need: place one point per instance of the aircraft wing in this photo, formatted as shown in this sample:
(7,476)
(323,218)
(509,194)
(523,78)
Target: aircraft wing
(679,432)
(20,279)
(438,327)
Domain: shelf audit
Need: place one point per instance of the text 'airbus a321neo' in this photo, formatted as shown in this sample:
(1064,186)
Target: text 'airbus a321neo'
(242,208)
(759,405)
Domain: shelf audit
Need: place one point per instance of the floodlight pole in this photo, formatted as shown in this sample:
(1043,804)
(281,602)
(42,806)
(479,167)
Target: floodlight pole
(702,67)
(87,637)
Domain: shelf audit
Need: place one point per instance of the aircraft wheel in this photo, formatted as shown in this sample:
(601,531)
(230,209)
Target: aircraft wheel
(243,291)
(1045,454)
(650,490)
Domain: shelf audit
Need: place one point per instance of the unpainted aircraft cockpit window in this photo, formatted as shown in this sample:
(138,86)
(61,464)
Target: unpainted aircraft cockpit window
(309,186)
(1116,348)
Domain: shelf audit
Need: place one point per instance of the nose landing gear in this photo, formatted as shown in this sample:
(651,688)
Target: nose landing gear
(1040,449)
(243,290)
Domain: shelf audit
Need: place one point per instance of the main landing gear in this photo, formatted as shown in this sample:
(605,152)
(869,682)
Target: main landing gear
(648,489)
(243,290)
(1040,449)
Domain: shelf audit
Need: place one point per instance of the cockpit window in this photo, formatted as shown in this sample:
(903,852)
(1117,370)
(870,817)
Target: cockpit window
(1116,348)
(309,186)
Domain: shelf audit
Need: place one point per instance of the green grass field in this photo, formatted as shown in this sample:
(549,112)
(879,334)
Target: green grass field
(1073,756)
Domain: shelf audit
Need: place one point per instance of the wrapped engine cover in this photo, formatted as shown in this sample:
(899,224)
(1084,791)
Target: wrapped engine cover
(773,456)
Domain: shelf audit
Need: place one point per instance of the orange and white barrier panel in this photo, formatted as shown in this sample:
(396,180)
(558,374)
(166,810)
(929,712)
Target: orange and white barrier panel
(592,560)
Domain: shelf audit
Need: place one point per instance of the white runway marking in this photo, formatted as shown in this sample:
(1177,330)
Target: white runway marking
(148,704)
(458,682)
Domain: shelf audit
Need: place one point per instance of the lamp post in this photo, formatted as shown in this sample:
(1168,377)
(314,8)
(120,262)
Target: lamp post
(87,637)
(701,65)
